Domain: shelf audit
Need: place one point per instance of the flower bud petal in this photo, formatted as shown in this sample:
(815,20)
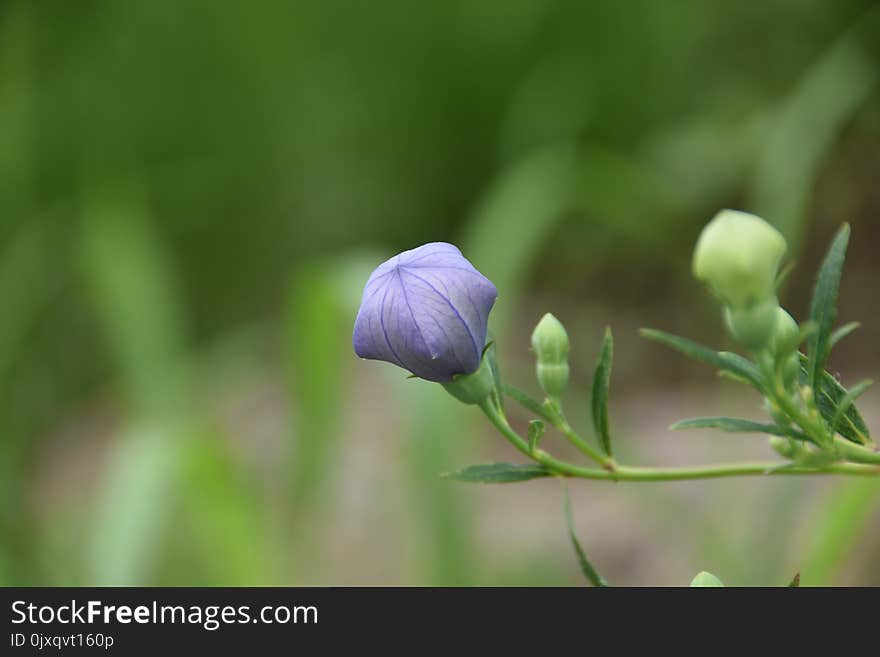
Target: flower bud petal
(738,256)
(425,310)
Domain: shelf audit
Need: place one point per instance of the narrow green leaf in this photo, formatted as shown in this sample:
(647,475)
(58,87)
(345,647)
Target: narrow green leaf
(795,581)
(841,333)
(723,360)
(828,395)
(498,473)
(525,400)
(599,399)
(491,353)
(705,579)
(587,568)
(737,425)
(823,309)
(536,430)
(847,401)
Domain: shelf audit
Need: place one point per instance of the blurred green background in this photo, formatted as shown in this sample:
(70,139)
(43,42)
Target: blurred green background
(193,193)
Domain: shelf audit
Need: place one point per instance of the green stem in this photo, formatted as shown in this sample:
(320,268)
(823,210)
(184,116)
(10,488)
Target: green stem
(632,473)
(555,417)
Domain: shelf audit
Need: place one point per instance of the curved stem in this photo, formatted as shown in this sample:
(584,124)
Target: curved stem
(555,417)
(632,473)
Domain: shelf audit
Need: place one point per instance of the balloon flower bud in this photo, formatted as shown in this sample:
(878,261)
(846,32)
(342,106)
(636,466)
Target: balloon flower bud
(426,310)
(738,256)
(753,326)
(787,334)
(550,344)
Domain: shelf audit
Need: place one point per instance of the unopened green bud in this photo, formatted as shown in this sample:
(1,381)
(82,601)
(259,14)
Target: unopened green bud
(550,341)
(785,447)
(738,256)
(754,327)
(550,344)
(787,335)
(552,378)
(790,371)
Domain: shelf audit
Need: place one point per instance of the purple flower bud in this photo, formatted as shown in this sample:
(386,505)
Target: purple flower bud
(426,311)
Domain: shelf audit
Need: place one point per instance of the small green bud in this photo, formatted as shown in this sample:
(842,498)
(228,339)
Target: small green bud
(706,580)
(788,334)
(550,341)
(790,371)
(550,344)
(738,256)
(785,447)
(754,327)
(473,388)
(552,378)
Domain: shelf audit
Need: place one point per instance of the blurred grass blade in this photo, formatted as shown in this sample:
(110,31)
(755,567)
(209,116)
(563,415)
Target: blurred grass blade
(599,396)
(587,568)
(498,473)
(220,505)
(132,514)
(132,281)
(523,205)
(805,127)
(841,333)
(835,529)
(823,308)
(795,581)
(723,360)
(737,425)
(130,277)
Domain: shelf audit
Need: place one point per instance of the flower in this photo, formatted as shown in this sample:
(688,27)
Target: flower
(738,255)
(426,310)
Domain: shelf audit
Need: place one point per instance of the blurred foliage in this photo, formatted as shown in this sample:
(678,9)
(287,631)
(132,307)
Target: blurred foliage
(192,193)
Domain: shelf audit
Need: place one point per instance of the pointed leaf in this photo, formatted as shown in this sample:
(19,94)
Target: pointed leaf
(823,309)
(498,473)
(841,333)
(723,360)
(599,400)
(490,352)
(587,568)
(795,581)
(737,425)
(536,430)
(847,401)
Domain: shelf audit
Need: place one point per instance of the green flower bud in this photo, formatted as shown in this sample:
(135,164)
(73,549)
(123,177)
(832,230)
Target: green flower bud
(738,256)
(785,447)
(754,327)
(553,378)
(550,341)
(550,344)
(788,334)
